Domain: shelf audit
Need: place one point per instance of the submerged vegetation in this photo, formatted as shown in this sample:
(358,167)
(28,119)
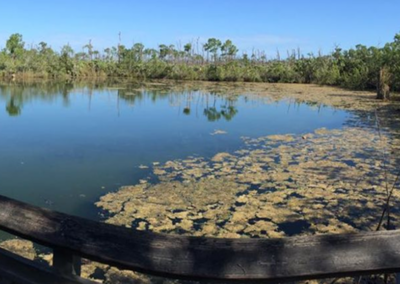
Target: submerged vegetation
(361,67)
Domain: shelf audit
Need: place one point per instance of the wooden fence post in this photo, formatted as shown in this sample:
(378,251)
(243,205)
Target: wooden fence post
(66,263)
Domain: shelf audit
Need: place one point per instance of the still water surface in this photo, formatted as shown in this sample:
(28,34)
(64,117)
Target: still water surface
(63,148)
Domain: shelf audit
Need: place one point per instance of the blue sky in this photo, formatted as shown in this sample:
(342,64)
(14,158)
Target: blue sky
(261,24)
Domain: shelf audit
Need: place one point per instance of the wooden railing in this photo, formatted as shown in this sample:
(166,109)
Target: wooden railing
(181,257)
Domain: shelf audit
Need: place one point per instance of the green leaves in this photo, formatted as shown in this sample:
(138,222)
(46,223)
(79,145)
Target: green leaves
(356,68)
(229,49)
(212,46)
(15,45)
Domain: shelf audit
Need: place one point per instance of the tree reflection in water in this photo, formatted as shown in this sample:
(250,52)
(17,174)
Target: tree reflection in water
(213,105)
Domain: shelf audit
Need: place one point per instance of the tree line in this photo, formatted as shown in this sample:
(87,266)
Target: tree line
(359,68)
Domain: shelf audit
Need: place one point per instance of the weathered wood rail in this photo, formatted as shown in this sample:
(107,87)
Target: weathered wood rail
(181,257)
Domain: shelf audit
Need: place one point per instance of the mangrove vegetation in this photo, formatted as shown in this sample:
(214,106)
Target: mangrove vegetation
(360,68)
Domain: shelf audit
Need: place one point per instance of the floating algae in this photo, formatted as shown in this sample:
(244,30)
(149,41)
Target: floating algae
(280,185)
(328,181)
(20,247)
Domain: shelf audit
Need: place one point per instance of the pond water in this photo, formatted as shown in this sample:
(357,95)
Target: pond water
(63,147)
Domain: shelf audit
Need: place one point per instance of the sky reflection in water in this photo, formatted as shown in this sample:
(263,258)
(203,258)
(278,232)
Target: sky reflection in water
(63,147)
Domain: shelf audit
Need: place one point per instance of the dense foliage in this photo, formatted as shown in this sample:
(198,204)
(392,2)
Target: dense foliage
(357,68)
